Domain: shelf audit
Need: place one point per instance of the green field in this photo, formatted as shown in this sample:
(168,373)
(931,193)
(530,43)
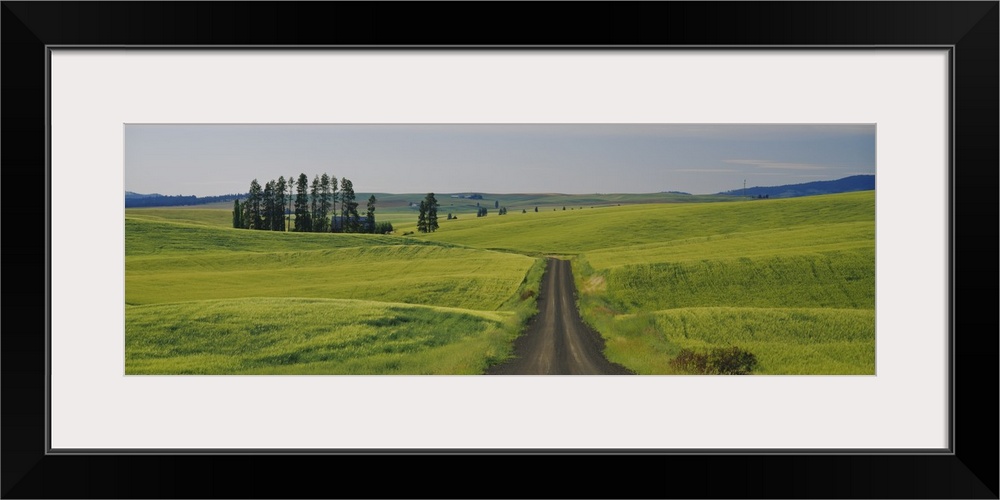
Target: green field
(790,280)
(311,336)
(204,299)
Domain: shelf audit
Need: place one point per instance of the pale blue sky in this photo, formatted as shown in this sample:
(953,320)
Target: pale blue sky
(206,160)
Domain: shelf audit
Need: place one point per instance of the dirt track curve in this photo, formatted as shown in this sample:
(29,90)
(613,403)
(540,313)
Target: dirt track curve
(557,341)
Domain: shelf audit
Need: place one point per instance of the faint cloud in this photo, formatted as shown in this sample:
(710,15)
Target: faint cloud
(778,165)
(790,176)
(706,170)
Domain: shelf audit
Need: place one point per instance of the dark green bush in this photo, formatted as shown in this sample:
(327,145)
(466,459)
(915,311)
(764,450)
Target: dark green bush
(718,361)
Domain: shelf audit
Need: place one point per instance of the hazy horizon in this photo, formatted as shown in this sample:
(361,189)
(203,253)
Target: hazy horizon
(211,160)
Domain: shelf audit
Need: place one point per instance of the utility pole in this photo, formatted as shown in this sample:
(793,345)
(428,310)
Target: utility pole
(744,188)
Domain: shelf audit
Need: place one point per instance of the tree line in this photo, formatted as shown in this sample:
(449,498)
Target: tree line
(159,200)
(270,207)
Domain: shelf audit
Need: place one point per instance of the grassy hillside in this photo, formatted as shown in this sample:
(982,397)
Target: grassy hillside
(209,215)
(197,294)
(586,230)
(414,274)
(785,340)
(144,236)
(654,279)
(310,336)
(791,281)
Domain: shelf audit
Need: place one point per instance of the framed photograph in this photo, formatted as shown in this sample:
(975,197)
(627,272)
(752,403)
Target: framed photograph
(780,203)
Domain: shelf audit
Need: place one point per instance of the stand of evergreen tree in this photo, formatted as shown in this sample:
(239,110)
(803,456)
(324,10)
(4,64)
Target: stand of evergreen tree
(314,206)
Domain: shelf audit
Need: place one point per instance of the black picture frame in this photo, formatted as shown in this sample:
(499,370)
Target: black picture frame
(969,28)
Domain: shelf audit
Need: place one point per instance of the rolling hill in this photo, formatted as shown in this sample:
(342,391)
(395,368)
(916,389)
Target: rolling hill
(791,281)
(845,185)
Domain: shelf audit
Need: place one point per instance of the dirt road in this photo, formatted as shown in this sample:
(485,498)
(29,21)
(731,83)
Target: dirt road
(557,342)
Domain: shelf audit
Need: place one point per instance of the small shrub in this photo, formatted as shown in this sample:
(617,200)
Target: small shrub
(718,361)
(689,361)
(731,361)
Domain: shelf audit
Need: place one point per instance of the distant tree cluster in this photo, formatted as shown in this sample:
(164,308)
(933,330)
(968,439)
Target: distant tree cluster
(314,206)
(159,200)
(263,208)
(502,211)
(481,212)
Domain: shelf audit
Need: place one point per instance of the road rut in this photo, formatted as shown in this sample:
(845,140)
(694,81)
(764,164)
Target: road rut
(557,341)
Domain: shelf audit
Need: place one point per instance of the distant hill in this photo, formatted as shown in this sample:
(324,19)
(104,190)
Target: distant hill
(129,195)
(845,185)
(134,200)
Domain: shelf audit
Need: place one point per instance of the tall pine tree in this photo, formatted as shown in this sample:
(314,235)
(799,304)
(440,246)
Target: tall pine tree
(255,205)
(245,216)
(422,217)
(370,220)
(334,225)
(237,214)
(314,204)
(269,208)
(432,213)
(348,206)
(290,187)
(279,202)
(322,223)
(303,222)
(427,222)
